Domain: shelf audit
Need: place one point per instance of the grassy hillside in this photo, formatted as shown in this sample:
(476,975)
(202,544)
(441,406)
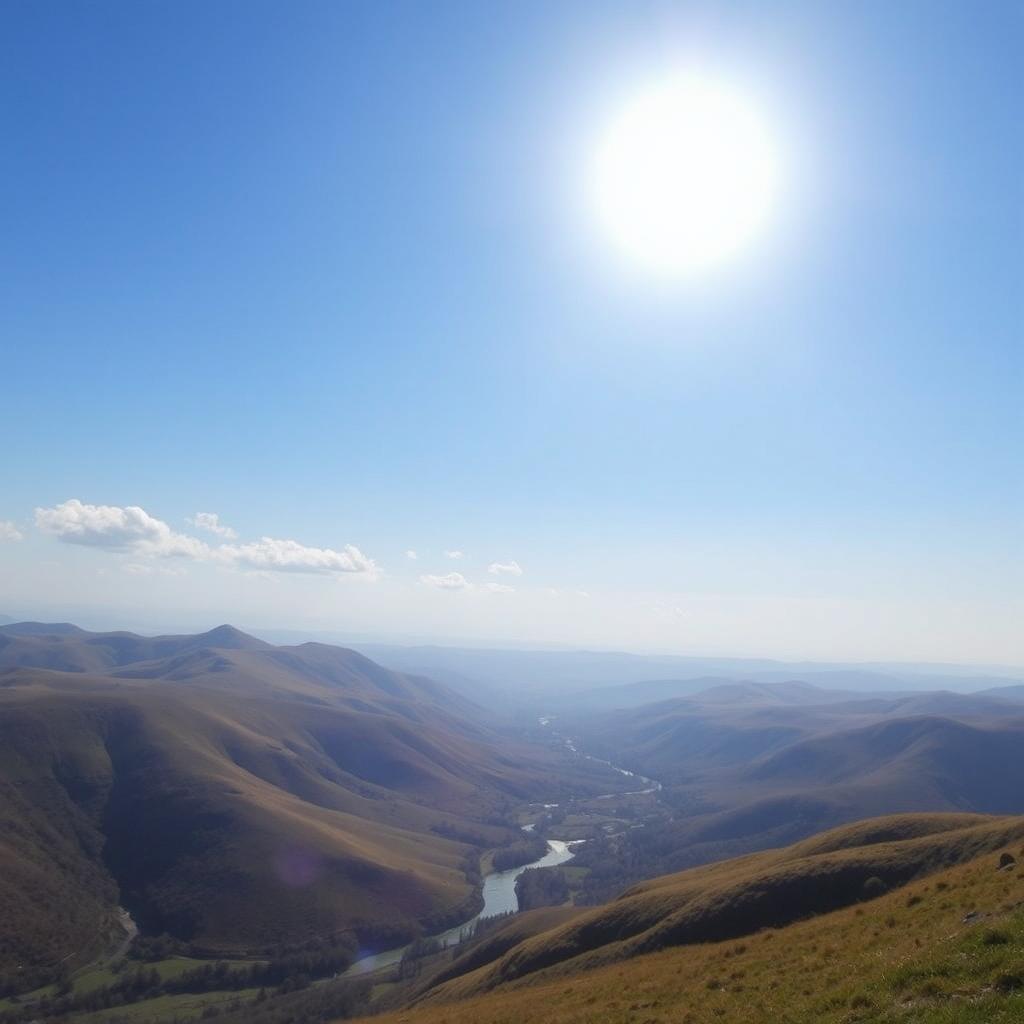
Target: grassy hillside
(245,798)
(737,897)
(944,943)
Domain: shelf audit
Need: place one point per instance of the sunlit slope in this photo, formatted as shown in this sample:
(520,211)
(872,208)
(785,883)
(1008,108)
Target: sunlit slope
(244,808)
(227,659)
(67,648)
(739,897)
(946,946)
(506,936)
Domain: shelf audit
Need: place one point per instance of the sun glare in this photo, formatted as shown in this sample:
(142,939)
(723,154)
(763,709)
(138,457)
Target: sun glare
(685,174)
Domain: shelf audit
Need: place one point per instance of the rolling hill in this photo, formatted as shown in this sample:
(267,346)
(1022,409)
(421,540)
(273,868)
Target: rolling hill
(755,766)
(240,796)
(735,898)
(565,681)
(904,918)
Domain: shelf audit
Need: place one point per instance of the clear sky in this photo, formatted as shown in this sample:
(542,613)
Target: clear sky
(327,272)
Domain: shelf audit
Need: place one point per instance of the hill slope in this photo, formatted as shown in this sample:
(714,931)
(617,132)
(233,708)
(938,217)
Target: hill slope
(947,946)
(738,897)
(748,768)
(243,797)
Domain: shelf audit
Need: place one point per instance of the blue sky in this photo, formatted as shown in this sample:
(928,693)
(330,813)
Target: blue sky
(325,269)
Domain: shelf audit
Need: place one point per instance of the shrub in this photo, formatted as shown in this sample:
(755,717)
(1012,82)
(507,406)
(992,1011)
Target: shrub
(873,887)
(1008,982)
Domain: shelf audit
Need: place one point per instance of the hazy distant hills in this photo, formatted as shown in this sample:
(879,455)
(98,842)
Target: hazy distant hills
(750,766)
(249,797)
(733,723)
(554,681)
(242,796)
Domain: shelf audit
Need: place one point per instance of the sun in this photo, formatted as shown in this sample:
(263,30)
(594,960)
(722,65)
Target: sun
(684,175)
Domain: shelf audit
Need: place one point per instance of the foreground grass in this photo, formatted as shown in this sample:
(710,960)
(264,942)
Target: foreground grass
(949,948)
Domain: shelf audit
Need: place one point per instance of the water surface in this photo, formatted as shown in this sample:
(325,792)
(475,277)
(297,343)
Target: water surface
(499,898)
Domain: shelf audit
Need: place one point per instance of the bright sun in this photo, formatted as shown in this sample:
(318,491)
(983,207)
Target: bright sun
(685,174)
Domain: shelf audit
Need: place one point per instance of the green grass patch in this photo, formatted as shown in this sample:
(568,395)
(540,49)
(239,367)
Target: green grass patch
(184,1006)
(91,978)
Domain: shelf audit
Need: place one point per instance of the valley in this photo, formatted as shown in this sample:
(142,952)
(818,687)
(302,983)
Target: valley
(244,799)
(511,512)
(296,827)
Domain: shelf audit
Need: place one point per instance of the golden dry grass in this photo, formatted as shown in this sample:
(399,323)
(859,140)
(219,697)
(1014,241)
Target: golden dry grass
(737,897)
(913,955)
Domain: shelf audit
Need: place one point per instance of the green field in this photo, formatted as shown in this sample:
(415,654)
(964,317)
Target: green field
(169,1007)
(103,973)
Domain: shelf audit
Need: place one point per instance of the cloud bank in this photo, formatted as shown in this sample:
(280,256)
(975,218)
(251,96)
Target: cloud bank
(132,530)
(269,554)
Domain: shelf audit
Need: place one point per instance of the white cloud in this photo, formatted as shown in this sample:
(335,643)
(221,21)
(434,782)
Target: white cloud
(454,554)
(132,530)
(500,588)
(269,553)
(211,521)
(117,529)
(411,555)
(450,581)
(8,531)
(512,568)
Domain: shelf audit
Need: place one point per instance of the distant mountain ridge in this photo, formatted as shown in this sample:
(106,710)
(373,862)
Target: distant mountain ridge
(757,765)
(553,681)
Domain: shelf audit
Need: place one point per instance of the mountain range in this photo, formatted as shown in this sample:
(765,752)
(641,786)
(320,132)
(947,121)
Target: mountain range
(245,800)
(243,797)
(751,766)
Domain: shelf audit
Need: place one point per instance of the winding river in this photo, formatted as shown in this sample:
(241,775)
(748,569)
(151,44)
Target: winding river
(500,897)
(499,891)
